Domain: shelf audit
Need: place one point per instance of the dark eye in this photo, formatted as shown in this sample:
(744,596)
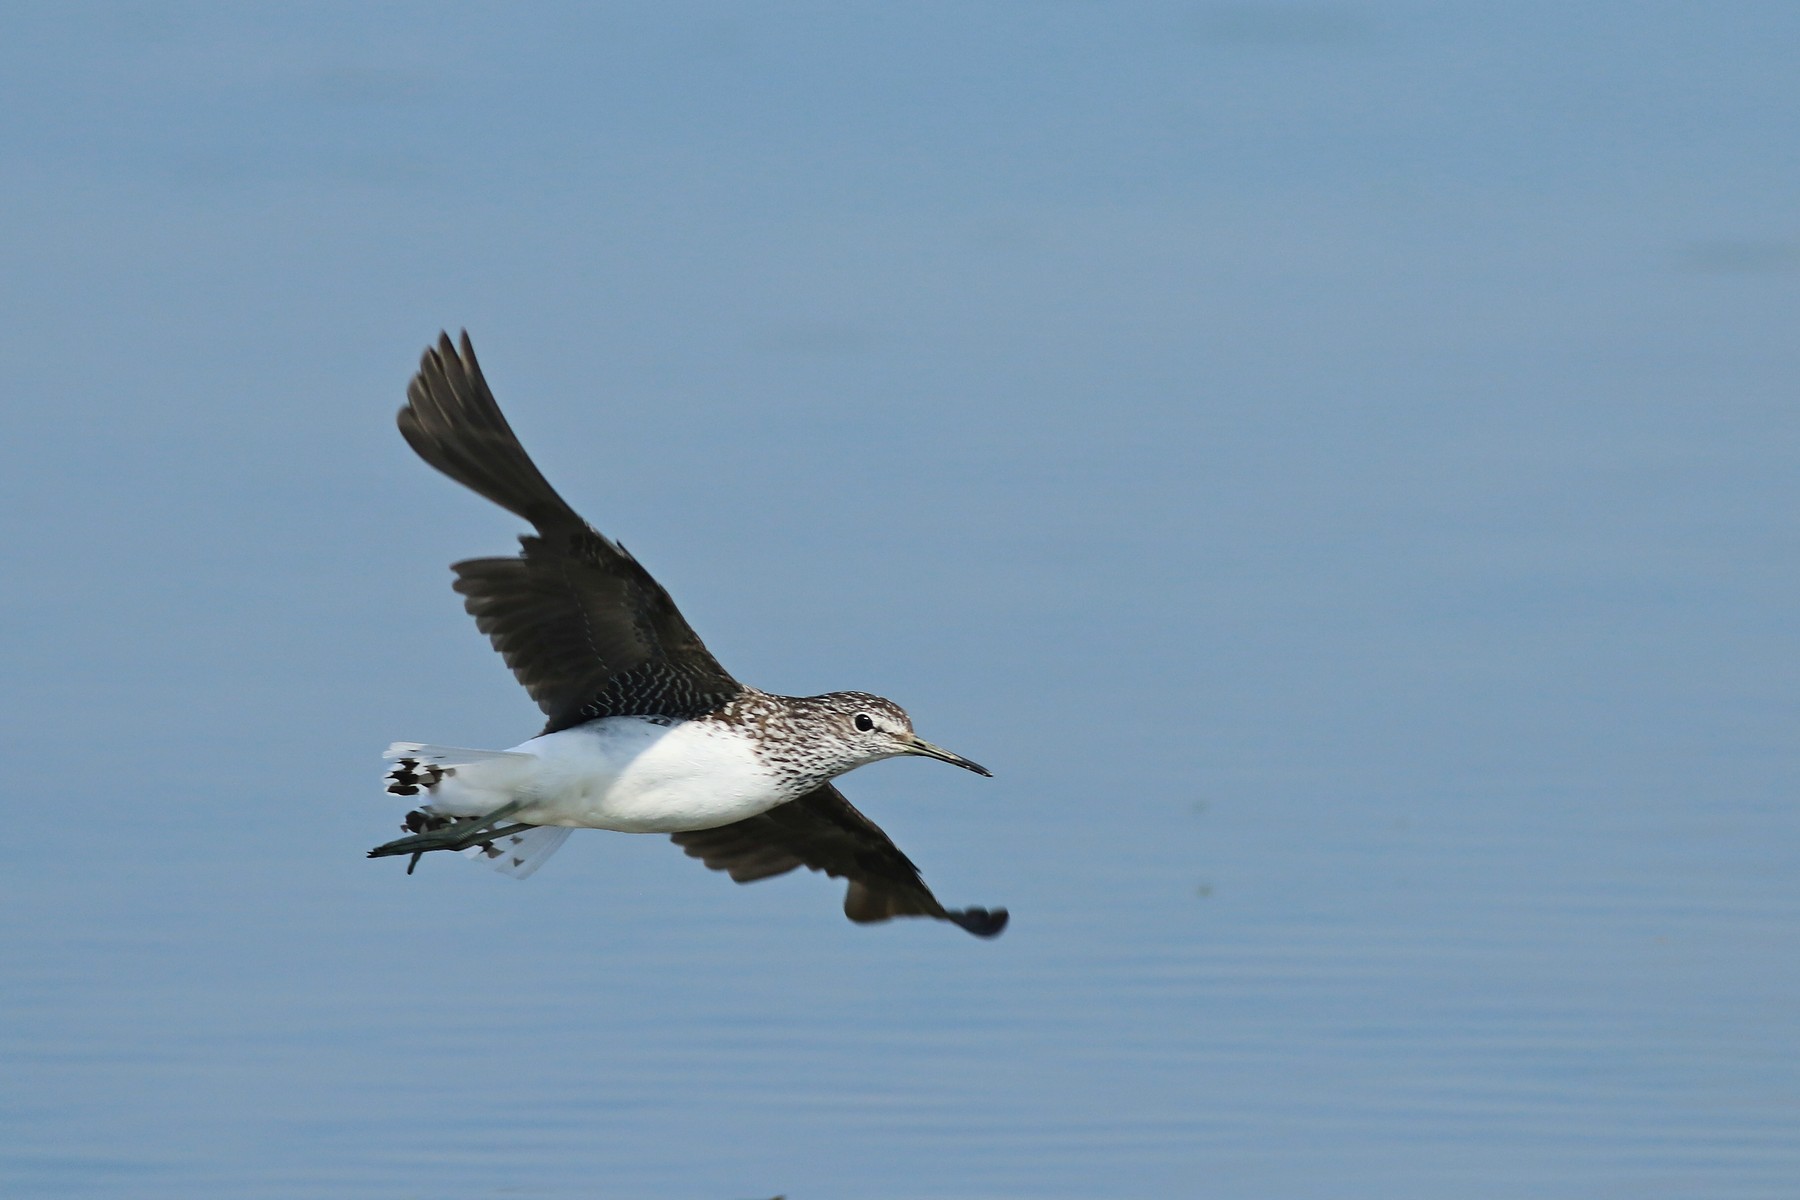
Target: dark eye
(864,722)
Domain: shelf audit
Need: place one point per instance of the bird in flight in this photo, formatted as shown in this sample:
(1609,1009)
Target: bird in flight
(646,732)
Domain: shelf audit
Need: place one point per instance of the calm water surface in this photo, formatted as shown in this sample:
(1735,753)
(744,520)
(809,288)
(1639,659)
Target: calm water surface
(1337,466)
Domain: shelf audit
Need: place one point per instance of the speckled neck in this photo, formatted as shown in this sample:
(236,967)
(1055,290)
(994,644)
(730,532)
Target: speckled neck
(798,738)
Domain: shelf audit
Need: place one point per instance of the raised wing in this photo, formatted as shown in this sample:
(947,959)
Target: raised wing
(821,830)
(585,629)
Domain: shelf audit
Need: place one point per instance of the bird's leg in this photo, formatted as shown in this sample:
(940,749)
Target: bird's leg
(458,835)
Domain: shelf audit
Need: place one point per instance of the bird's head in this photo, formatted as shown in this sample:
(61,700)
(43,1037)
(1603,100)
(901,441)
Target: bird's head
(869,728)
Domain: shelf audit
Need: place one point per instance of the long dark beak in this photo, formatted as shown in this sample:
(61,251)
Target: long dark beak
(925,749)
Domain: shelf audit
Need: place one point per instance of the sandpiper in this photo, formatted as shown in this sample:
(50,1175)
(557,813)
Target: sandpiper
(647,733)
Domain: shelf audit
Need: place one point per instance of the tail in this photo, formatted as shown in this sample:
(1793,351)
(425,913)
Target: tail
(419,767)
(453,423)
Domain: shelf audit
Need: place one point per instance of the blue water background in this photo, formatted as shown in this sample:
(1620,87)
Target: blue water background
(1338,464)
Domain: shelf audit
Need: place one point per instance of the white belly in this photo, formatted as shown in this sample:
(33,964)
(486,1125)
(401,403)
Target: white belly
(624,773)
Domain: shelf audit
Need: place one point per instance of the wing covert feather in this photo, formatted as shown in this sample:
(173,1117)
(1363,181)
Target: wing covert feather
(586,630)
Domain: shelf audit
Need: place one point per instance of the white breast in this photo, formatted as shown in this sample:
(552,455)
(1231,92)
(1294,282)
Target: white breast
(642,776)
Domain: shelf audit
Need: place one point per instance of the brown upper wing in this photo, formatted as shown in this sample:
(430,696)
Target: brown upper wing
(821,830)
(585,629)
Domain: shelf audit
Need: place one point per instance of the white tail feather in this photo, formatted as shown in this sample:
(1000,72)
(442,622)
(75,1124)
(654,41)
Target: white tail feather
(519,854)
(445,756)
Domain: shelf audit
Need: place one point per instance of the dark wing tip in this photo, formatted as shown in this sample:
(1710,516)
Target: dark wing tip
(982,922)
(452,421)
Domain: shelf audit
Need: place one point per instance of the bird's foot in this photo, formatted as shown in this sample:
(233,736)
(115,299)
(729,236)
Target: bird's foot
(458,835)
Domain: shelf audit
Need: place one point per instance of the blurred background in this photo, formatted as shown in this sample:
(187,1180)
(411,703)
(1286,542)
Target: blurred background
(1336,463)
